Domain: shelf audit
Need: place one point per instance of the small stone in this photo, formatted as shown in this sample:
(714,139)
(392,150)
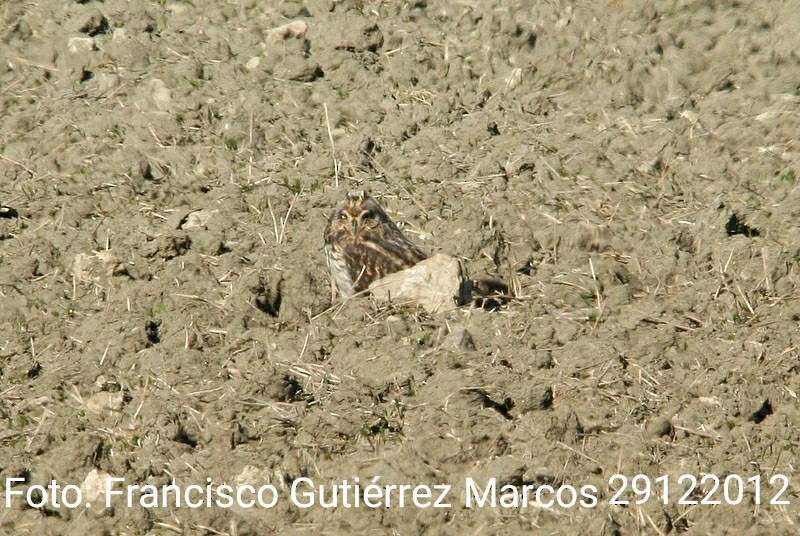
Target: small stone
(96,24)
(104,402)
(78,45)
(81,266)
(298,69)
(94,487)
(252,63)
(198,219)
(539,398)
(177,218)
(252,475)
(437,284)
(108,262)
(106,81)
(358,38)
(295,29)
(161,94)
(90,267)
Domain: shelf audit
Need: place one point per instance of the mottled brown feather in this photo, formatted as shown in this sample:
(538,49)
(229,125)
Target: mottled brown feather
(363,244)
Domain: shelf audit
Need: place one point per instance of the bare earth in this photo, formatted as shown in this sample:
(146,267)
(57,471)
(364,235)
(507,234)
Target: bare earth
(165,311)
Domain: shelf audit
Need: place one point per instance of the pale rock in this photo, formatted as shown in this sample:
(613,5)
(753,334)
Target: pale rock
(177,218)
(252,63)
(198,219)
(539,397)
(710,400)
(94,486)
(106,81)
(82,266)
(161,94)
(77,45)
(258,476)
(105,402)
(295,29)
(437,284)
(89,267)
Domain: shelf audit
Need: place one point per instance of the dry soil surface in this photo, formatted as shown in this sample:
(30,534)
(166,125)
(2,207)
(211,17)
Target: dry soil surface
(629,168)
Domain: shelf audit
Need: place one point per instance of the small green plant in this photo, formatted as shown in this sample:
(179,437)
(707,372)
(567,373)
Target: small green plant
(730,424)
(410,387)
(789,177)
(158,309)
(294,186)
(66,311)
(564,172)
(408,179)
(232,144)
(138,187)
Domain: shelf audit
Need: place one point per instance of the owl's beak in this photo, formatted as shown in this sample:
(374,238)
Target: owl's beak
(354,226)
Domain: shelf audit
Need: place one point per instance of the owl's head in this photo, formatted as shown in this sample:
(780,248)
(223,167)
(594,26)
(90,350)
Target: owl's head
(357,213)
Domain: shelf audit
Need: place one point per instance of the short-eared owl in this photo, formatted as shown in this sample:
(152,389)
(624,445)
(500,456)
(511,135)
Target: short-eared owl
(363,244)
